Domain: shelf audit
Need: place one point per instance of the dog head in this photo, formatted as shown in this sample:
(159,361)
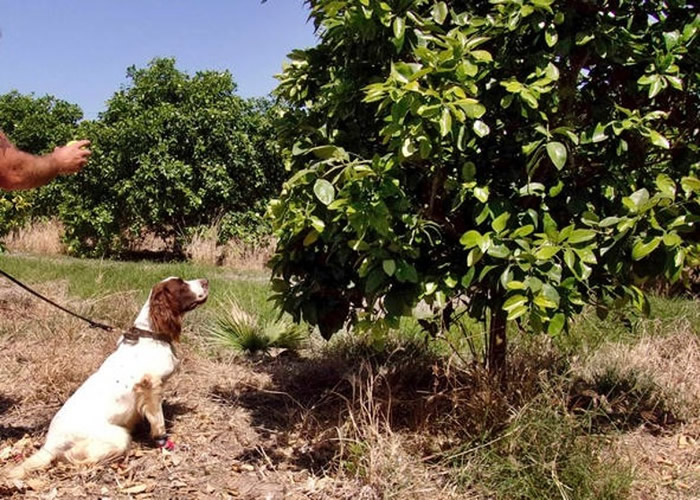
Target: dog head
(171,299)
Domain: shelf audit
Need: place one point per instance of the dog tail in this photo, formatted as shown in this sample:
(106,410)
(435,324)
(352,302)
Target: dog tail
(39,460)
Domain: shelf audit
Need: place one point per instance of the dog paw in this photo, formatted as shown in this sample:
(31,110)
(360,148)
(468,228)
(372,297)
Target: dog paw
(165,443)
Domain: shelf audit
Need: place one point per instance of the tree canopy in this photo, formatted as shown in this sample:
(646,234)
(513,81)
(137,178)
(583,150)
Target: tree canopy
(171,152)
(521,158)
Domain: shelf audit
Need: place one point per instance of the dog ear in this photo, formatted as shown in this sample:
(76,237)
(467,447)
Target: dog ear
(164,314)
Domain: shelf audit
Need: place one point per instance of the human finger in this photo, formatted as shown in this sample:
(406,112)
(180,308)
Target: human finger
(82,143)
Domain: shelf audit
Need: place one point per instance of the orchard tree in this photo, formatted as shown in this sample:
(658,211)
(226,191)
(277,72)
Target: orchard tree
(170,153)
(517,159)
(35,125)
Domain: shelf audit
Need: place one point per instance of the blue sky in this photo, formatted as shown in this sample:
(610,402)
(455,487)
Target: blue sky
(78,50)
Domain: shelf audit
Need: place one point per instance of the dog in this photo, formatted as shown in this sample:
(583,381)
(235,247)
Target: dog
(95,424)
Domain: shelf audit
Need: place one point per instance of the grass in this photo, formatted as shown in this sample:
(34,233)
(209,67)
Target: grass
(406,417)
(543,454)
(88,278)
(254,332)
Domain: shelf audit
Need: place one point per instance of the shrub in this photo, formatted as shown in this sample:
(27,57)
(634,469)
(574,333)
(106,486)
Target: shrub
(531,156)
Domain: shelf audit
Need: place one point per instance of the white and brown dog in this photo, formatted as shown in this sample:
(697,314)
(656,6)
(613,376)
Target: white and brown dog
(95,424)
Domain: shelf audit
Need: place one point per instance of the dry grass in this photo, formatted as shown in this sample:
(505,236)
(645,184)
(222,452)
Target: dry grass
(346,421)
(203,248)
(44,237)
(40,237)
(371,452)
(669,366)
(667,465)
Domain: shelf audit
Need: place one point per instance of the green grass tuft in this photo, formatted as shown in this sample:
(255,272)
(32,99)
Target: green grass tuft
(237,329)
(543,454)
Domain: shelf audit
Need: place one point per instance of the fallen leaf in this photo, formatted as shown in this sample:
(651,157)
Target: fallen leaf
(137,488)
(6,453)
(36,484)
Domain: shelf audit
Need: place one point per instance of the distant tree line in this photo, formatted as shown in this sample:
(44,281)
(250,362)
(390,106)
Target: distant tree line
(172,152)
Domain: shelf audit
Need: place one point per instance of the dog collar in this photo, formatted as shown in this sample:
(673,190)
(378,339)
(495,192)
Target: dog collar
(133,335)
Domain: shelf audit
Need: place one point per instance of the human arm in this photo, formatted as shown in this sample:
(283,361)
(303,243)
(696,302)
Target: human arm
(20,170)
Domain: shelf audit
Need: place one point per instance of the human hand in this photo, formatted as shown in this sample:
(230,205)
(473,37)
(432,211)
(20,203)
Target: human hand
(71,157)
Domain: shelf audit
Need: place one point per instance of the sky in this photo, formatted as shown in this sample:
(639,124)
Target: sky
(78,50)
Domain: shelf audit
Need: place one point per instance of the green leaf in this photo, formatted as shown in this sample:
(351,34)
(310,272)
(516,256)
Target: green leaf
(474,256)
(544,303)
(326,152)
(672,239)
(481,193)
(324,190)
(439,12)
(468,171)
(581,235)
(658,139)
(389,266)
(482,55)
(399,27)
(471,239)
(643,248)
(499,251)
(500,222)
(637,200)
(406,272)
(514,301)
(609,221)
(523,231)
(551,37)
(310,238)
(557,153)
(666,185)
(556,324)
(516,312)
(481,128)
(474,110)
(408,149)
(547,252)
(551,294)
(690,184)
(599,133)
(529,98)
(657,85)
(317,224)
(468,277)
(445,122)
(375,280)
(515,285)
(430,287)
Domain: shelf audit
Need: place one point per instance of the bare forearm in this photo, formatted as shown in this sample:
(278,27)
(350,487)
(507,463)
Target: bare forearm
(20,170)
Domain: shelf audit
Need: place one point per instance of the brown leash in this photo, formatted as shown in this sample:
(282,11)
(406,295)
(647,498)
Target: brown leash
(132,335)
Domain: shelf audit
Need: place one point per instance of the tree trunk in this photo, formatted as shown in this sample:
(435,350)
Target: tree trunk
(496,359)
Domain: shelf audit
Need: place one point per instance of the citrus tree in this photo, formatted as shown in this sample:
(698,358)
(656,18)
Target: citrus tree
(171,152)
(517,159)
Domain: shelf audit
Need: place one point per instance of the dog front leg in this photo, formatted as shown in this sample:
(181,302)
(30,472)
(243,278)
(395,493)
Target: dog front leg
(152,406)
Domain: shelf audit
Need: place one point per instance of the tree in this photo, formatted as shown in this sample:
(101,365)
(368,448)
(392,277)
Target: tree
(171,152)
(35,125)
(520,158)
